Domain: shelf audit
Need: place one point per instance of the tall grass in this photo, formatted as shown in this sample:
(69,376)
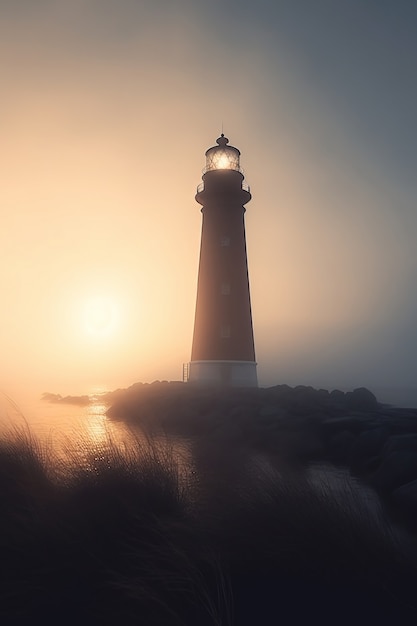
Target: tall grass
(123,537)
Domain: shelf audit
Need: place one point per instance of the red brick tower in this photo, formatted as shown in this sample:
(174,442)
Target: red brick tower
(223,351)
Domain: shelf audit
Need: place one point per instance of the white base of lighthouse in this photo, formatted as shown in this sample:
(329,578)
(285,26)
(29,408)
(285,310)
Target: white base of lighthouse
(223,373)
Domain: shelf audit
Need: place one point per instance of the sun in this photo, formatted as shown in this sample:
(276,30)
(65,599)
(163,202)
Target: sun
(101,316)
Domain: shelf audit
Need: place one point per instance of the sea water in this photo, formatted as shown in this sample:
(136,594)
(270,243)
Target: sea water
(54,421)
(76,433)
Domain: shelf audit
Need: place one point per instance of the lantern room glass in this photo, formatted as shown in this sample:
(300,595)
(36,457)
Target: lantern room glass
(222,156)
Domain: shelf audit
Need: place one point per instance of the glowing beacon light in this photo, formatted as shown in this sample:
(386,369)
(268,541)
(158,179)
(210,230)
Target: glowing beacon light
(222,156)
(223,351)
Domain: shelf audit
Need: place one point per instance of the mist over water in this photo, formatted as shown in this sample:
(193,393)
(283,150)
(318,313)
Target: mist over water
(59,424)
(56,422)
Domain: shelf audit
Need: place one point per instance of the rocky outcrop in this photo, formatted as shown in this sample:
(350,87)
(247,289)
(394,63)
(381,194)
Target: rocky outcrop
(296,426)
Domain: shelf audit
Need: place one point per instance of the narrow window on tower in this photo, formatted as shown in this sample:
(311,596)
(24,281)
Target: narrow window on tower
(225,289)
(225,331)
(225,241)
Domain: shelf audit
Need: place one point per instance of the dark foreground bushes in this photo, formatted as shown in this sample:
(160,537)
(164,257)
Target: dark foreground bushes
(135,538)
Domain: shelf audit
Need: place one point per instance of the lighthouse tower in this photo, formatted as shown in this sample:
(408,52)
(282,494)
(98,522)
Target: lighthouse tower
(223,351)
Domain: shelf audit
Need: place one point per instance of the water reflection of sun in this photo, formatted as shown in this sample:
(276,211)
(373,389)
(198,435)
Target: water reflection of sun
(97,425)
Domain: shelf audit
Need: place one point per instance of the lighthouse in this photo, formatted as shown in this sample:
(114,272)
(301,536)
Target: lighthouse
(223,351)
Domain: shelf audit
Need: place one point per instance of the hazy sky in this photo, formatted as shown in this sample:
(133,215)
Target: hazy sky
(106,110)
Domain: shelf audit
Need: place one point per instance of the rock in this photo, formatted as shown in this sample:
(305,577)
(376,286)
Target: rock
(398,443)
(366,447)
(405,498)
(339,446)
(396,469)
(271,410)
(353,423)
(361,399)
(337,395)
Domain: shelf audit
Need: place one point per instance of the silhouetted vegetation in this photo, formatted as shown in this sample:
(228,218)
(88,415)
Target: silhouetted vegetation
(253,524)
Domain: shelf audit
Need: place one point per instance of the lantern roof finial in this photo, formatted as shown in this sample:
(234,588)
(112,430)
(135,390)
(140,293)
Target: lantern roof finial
(222,140)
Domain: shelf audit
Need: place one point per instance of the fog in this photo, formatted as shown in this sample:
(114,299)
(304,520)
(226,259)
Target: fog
(107,110)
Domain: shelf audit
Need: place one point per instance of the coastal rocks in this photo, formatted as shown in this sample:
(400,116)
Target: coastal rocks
(56,398)
(339,446)
(295,426)
(396,469)
(367,447)
(400,443)
(379,448)
(405,498)
(273,411)
(361,399)
(351,422)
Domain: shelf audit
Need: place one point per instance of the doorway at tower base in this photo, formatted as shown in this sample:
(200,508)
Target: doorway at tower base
(223,373)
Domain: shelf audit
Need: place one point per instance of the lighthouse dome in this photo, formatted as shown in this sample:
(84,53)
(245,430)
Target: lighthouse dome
(222,156)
